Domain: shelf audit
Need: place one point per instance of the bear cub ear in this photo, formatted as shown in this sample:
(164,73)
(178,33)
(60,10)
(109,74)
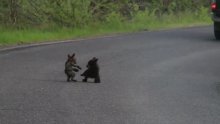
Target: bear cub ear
(71,56)
(95,59)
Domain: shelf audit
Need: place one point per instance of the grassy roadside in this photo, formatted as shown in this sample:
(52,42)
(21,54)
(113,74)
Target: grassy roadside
(142,21)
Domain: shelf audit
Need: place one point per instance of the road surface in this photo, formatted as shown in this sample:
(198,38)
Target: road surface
(159,77)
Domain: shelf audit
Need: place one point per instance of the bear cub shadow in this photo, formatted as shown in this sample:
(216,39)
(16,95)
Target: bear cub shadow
(92,71)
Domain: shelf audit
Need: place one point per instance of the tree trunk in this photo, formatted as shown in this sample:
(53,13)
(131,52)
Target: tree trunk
(13,11)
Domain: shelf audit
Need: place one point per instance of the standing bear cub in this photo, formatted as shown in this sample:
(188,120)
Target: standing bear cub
(92,70)
(71,68)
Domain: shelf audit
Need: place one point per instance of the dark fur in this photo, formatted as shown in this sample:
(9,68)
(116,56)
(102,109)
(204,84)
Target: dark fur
(92,71)
(71,68)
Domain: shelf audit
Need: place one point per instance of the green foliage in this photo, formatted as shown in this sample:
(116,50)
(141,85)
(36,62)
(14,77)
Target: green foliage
(69,13)
(80,13)
(23,21)
(142,21)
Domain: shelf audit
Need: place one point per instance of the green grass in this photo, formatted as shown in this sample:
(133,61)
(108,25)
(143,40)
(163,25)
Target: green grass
(142,21)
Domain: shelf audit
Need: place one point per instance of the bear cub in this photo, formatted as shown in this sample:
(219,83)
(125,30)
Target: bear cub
(92,71)
(71,67)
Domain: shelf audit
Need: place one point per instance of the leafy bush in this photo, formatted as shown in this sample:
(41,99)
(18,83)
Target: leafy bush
(80,13)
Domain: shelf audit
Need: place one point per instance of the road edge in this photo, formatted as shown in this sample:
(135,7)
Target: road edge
(25,46)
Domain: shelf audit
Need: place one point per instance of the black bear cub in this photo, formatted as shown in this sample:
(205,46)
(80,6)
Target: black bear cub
(92,70)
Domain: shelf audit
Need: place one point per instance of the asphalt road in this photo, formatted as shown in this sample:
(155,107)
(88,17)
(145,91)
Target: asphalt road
(159,77)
